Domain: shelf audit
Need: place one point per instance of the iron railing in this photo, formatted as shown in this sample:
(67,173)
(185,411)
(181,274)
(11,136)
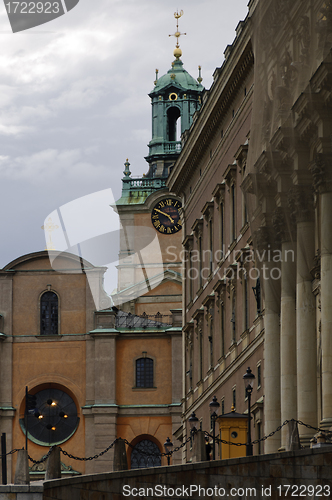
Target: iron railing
(127,320)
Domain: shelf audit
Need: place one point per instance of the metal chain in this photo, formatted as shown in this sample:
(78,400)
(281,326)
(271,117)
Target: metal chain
(10,452)
(44,458)
(86,459)
(156,455)
(264,438)
(216,439)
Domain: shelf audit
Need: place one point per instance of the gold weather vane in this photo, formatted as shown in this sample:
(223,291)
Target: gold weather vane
(177,34)
(49,227)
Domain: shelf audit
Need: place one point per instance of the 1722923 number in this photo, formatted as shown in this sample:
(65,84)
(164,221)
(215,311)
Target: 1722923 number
(33,7)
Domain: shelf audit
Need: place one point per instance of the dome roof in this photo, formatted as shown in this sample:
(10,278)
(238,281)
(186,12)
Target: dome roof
(177,75)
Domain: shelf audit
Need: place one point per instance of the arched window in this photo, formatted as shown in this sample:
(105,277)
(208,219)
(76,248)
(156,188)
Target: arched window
(144,372)
(173,114)
(49,314)
(145,454)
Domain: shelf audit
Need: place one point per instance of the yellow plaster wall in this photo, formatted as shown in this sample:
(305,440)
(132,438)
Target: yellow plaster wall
(61,364)
(26,302)
(127,351)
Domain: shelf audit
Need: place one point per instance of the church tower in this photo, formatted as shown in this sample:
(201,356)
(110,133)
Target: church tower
(175,98)
(150,241)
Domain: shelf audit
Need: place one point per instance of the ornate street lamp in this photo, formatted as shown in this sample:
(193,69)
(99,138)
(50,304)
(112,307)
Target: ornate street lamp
(193,421)
(249,378)
(168,445)
(214,407)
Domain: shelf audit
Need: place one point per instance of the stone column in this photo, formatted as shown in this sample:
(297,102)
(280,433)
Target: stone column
(326,307)
(288,337)
(288,400)
(301,202)
(321,169)
(271,344)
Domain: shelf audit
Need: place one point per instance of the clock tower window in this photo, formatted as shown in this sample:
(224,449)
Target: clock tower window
(174,130)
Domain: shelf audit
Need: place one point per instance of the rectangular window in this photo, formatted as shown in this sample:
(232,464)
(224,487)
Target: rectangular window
(200,355)
(221,252)
(211,340)
(233,214)
(223,406)
(259,376)
(234,397)
(200,262)
(233,318)
(222,321)
(190,275)
(144,372)
(245,303)
(190,367)
(211,244)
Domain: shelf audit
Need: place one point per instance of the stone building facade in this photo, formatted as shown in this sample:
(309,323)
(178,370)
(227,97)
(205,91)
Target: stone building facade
(254,179)
(222,316)
(288,190)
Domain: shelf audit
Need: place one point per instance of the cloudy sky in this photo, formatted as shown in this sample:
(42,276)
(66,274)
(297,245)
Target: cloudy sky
(74,103)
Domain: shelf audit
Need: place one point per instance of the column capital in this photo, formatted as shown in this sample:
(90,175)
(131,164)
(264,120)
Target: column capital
(283,225)
(301,203)
(198,316)
(188,331)
(262,238)
(320,169)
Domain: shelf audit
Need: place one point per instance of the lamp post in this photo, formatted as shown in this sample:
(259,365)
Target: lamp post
(249,378)
(193,421)
(214,406)
(168,445)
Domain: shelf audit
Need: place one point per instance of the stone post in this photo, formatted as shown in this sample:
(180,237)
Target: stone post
(53,467)
(199,447)
(302,204)
(120,456)
(293,440)
(22,468)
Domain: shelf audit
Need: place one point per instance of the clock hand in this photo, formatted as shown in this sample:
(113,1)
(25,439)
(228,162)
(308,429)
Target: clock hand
(164,213)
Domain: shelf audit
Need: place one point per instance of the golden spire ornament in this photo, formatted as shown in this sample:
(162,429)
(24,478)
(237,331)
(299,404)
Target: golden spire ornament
(177,51)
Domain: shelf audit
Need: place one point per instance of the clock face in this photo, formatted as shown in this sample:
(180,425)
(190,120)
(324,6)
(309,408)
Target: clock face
(165,216)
